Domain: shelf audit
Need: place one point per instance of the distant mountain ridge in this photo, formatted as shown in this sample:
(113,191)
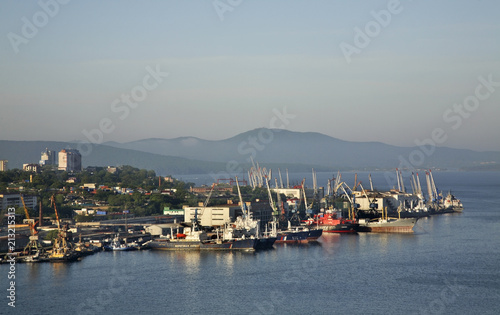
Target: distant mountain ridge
(298,151)
(283,146)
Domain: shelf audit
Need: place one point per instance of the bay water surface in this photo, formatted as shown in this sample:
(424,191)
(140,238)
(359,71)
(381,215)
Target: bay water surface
(450,265)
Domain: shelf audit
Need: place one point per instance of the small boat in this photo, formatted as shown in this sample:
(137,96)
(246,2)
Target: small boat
(84,249)
(33,252)
(38,256)
(118,245)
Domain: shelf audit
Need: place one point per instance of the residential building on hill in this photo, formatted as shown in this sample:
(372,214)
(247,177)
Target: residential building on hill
(31,167)
(48,157)
(70,160)
(3,165)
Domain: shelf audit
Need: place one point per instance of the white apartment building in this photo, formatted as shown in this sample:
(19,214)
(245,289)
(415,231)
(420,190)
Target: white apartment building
(70,160)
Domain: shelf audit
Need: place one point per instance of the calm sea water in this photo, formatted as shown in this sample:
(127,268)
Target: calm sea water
(450,265)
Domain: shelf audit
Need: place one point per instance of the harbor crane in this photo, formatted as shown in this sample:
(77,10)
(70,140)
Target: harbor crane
(281,179)
(33,247)
(271,202)
(205,203)
(355,182)
(373,203)
(31,222)
(62,247)
(355,206)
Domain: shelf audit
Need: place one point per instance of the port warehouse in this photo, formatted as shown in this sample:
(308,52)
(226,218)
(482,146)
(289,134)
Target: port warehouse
(261,210)
(215,216)
(220,214)
(156,225)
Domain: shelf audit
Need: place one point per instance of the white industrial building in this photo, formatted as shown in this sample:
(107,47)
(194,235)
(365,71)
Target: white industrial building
(14,200)
(390,200)
(213,216)
(163,229)
(221,214)
(297,192)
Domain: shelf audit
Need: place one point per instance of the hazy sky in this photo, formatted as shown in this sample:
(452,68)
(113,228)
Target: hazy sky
(389,71)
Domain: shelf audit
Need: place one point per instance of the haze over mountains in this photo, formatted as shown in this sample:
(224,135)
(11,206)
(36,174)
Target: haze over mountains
(270,147)
(310,148)
(20,152)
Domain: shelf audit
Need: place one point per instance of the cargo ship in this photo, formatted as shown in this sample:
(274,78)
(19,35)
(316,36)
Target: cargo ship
(209,244)
(265,242)
(330,223)
(174,244)
(247,227)
(292,236)
(452,203)
(298,235)
(314,234)
(119,245)
(249,244)
(196,239)
(388,225)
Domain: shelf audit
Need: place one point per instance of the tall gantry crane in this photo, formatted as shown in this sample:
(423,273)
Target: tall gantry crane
(62,248)
(33,247)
